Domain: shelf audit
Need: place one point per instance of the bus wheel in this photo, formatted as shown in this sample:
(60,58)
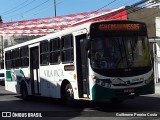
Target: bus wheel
(117,101)
(24,92)
(68,95)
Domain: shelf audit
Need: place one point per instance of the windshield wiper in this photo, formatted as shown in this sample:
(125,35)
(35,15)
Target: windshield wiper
(120,49)
(132,50)
(125,53)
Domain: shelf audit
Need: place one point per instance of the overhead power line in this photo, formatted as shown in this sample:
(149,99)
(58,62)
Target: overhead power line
(139,3)
(135,6)
(10,10)
(28,10)
(106,5)
(135,9)
(39,11)
(51,6)
(14,10)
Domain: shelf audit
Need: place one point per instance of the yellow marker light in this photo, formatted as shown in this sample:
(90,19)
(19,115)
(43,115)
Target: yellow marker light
(75,76)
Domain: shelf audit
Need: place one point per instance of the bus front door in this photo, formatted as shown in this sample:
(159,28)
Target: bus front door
(34,67)
(82,66)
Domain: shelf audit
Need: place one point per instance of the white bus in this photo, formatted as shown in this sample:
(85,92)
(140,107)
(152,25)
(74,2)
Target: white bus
(94,61)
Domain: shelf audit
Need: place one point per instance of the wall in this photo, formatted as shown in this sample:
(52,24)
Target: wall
(157,24)
(146,15)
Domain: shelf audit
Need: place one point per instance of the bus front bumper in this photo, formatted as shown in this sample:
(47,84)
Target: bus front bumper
(102,93)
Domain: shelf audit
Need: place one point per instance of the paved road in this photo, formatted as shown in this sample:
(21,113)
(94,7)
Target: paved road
(140,106)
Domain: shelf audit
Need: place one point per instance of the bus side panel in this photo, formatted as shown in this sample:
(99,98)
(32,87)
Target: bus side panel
(60,75)
(14,78)
(58,78)
(51,78)
(11,86)
(25,72)
(47,81)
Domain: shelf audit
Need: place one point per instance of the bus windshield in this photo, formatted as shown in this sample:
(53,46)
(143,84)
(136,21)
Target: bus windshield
(125,52)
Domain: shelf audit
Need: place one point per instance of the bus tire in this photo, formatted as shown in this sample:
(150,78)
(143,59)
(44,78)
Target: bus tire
(68,95)
(24,92)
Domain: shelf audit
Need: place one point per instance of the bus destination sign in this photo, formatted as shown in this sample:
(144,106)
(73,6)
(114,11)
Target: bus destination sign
(114,27)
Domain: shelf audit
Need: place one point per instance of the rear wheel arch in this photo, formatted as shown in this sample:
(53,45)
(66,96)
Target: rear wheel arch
(63,85)
(24,90)
(67,93)
(22,84)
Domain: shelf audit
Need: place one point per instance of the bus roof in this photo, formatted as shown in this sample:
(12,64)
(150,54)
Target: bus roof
(60,33)
(51,36)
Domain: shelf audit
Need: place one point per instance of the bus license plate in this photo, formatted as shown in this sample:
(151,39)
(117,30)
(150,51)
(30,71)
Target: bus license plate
(128,90)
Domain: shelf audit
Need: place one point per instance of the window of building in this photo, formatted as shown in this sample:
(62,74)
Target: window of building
(156,6)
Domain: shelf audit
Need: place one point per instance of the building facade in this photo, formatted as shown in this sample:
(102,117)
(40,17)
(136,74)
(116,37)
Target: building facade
(153,4)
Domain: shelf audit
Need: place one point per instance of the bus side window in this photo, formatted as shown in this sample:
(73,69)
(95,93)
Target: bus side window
(24,56)
(67,48)
(17,58)
(8,60)
(44,52)
(55,51)
(12,58)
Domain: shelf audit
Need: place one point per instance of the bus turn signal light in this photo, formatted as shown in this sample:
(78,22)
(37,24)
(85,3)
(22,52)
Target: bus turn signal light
(75,76)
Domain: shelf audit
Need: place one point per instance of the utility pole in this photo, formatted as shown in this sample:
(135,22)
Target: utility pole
(55,7)
(2,55)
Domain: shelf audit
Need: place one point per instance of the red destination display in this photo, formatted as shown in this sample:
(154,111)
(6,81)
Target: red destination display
(119,27)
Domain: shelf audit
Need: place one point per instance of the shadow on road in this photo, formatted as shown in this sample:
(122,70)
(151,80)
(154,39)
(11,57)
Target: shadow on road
(56,108)
(139,104)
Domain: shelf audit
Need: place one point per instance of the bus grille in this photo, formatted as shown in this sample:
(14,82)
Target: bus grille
(125,84)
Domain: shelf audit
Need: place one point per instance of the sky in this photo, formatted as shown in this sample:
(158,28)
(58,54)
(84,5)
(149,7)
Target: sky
(17,10)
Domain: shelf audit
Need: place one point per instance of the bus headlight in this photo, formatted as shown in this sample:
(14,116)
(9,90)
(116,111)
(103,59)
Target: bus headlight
(149,79)
(108,85)
(94,78)
(103,83)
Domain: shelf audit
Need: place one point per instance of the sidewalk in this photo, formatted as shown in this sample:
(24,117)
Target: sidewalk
(157,88)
